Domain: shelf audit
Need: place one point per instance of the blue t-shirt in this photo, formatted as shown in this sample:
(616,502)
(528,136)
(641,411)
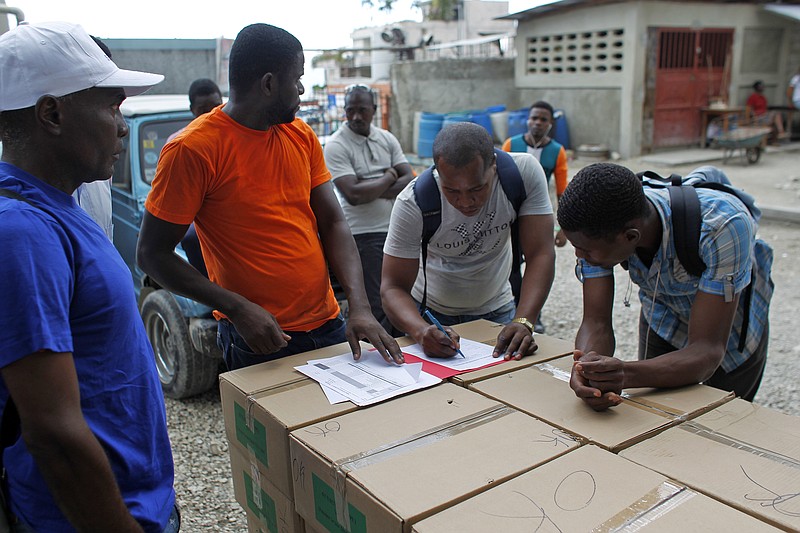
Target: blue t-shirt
(65,288)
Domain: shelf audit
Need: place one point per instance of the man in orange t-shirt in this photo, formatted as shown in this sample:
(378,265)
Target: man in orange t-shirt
(253,179)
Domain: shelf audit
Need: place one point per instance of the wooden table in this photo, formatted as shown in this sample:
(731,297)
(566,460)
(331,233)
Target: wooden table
(709,113)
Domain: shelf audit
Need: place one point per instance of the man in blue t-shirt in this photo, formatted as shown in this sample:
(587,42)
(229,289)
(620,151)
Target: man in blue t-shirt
(78,373)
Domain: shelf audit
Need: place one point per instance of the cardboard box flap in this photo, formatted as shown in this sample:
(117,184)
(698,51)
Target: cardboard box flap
(549,348)
(588,489)
(755,480)
(425,475)
(681,403)
(398,461)
(369,429)
(756,426)
(537,392)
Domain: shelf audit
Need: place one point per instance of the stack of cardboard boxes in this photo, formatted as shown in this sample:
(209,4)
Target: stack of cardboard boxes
(509,449)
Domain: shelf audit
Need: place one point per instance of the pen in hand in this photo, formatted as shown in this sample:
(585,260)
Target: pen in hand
(438,325)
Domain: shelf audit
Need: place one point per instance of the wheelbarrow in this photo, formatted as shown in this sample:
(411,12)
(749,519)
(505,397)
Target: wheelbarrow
(749,141)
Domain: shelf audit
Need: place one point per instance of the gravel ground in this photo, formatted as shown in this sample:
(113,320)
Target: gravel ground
(200,448)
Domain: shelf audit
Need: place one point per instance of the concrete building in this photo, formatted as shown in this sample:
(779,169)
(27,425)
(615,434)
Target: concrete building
(635,75)
(180,60)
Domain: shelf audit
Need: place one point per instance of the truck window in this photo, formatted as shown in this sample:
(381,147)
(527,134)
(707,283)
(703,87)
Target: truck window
(152,138)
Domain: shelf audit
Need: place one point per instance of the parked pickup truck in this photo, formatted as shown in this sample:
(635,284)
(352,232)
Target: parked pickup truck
(182,331)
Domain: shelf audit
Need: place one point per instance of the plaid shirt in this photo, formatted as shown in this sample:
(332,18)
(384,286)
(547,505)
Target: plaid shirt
(732,254)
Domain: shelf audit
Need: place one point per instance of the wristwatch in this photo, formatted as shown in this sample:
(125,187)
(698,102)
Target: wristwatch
(525,322)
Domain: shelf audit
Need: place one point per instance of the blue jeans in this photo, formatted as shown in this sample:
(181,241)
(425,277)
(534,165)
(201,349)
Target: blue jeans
(237,353)
(173,525)
(501,315)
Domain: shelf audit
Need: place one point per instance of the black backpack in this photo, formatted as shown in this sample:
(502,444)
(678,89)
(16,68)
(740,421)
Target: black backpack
(686,218)
(426,194)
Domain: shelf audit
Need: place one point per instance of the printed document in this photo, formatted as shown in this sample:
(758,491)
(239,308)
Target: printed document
(366,381)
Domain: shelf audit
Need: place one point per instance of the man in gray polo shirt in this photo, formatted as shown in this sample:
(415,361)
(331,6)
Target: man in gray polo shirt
(368,169)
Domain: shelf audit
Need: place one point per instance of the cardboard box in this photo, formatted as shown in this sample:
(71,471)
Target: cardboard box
(742,454)
(261,404)
(543,391)
(268,510)
(398,462)
(486,332)
(590,489)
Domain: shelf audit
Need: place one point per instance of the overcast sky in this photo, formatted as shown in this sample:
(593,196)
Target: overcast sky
(317,23)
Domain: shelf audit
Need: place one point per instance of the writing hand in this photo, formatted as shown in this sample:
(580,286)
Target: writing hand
(436,344)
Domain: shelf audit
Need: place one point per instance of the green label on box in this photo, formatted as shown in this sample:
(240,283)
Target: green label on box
(256,440)
(325,510)
(260,504)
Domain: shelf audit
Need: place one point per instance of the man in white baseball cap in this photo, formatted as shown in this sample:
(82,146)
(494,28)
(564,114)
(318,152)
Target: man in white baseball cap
(59,58)
(76,369)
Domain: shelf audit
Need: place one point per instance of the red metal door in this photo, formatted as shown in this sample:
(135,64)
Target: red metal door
(690,71)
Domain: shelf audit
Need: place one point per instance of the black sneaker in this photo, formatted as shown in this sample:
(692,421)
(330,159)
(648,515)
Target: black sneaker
(538,327)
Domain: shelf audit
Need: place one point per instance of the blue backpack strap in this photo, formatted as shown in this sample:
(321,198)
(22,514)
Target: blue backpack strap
(426,194)
(511,181)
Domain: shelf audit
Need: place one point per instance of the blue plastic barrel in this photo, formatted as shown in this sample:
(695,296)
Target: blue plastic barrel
(429,126)
(495,109)
(561,130)
(481,118)
(517,122)
(452,118)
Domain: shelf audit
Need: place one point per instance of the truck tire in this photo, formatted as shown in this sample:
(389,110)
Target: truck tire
(182,370)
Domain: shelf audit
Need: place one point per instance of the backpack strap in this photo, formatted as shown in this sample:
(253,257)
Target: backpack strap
(686,218)
(426,194)
(511,181)
(686,222)
(686,227)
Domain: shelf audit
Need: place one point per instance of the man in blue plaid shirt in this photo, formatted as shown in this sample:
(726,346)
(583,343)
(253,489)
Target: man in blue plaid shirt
(690,327)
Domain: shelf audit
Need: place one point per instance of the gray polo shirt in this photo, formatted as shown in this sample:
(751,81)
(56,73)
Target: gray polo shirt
(350,154)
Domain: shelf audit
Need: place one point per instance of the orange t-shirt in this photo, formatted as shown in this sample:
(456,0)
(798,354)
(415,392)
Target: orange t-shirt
(248,193)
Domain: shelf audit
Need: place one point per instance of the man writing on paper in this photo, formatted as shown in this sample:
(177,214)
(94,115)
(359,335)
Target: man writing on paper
(469,257)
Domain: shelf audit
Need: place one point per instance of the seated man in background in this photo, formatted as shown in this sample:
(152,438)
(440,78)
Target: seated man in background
(469,256)
(757,103)
(712,329)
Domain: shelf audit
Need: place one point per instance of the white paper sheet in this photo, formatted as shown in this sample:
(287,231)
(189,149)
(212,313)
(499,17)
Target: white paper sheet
(367,381)
(476,355)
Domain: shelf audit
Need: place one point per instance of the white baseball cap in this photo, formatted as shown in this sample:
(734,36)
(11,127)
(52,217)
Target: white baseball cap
(58,58)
